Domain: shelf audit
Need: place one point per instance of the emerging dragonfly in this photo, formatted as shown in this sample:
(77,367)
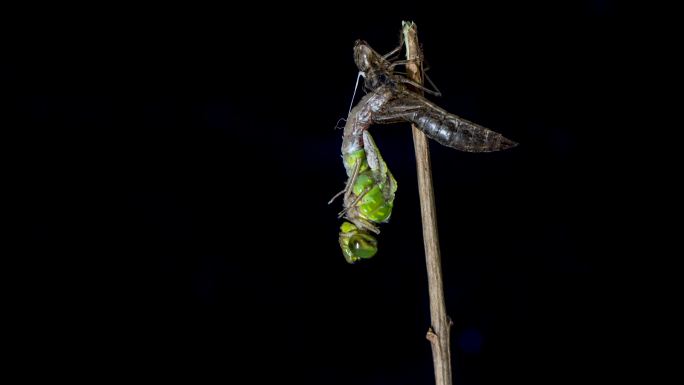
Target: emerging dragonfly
(368,196)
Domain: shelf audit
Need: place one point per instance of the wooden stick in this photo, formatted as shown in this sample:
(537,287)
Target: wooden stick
(439,333)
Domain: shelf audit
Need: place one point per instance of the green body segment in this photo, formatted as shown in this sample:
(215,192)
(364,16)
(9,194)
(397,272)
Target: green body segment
(374,206)
(372,194)
(376,186)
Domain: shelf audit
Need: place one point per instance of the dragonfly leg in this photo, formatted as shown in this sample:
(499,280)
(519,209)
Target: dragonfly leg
(337,125)
(363,224)
(352,179)
(395,51)
(347,189)
(399,63)
(398,111)
(344,190)
(354,202)
(395,63)
(402,79)
(426,77)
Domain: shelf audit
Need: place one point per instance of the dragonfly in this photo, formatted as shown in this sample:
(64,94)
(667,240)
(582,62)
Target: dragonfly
(391,97)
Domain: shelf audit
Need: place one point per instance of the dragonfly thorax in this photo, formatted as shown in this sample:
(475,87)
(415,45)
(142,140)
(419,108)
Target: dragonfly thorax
(374,79)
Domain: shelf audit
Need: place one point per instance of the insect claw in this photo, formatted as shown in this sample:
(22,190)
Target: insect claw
(337,195)
(337,125)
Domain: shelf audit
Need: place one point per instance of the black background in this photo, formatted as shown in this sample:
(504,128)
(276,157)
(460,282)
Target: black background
(178,164)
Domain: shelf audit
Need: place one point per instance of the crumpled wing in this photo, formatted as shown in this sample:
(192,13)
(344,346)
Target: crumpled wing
(380,170)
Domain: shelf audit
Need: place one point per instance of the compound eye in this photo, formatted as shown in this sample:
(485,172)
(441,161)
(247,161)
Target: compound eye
(363,245)
(362,57)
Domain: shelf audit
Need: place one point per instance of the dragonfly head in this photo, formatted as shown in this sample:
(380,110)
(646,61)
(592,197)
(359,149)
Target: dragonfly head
(356,244)
(365,57)
(371,65)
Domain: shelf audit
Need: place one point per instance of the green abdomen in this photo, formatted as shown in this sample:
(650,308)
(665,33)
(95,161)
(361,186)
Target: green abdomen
(377,199)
